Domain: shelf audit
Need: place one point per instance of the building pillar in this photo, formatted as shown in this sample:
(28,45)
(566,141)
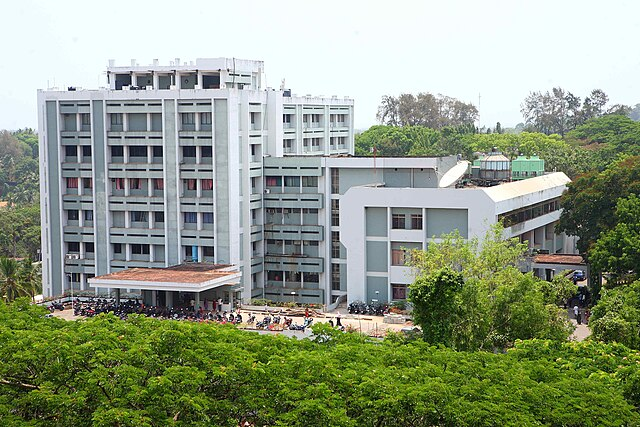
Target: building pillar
(154,298)
(231,308)
(117,297)
(196,298)
(169,298)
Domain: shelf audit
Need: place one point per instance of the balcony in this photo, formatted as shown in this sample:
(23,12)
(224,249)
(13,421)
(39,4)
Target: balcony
(279,200)
(297,263)
(294,232)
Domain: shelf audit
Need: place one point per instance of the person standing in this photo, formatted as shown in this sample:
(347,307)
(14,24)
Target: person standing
(338,322)
(576,312)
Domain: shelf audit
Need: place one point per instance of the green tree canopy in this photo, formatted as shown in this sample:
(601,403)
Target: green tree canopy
(616,317)
(147,372)
(489,302)
(617,251)
(589,203)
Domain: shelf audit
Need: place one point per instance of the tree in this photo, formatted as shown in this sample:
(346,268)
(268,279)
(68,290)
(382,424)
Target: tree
(489,301)
(436,300)
(105,371)
(617,251)
(616,317)
(425,109)
(560,111)
(10,285)
(589,202)
(20,231)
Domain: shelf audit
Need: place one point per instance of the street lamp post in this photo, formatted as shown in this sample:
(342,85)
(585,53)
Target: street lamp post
(67,258)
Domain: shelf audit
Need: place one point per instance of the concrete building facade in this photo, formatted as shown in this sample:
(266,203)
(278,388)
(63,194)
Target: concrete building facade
(199,163)
(164,166)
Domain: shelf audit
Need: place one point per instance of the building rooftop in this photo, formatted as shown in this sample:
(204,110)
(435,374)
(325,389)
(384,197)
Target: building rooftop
(510,190)
(559,259)
(183,277)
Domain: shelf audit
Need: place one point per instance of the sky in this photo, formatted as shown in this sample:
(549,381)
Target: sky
(490,53)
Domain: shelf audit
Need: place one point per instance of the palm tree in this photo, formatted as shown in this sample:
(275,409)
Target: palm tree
(30,277)
(10,286)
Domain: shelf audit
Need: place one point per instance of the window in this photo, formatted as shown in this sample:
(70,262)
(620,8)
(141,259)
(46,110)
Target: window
(158,217)
(190,218)
(188,151)
(73,247)
(292,181)
(286,118)
(86,119)
(207,251)
(188,118)
(416,221)
(88,215)
(135,184)
(70,151)
(335,277)
(157,151)
(119,183)
(397,221)
(117,248)
(86,151)
(335,181)
(117,151)
(139,249)
(274,181)
(311,277)
(137,151)
(72,215)
(310,181)
(138,216)
(205,118)
(207,218)
(397,257)
(87,182)
(88,247)
(335,212)
(287,145)
(398,291)
(116,119)
(335,244)
(158,184)
(207,184)
(206,151)
(189,184)
(72,182)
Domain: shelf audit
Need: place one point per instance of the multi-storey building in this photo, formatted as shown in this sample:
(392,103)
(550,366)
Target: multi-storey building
(342,226)
(165,166)
(199,163)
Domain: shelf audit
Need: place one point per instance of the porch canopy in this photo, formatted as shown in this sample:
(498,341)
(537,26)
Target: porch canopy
(191,277)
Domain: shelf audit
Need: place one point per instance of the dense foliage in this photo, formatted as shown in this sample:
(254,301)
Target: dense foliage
(19,182)
(616,317)
(590,201)
(560,111)
(469,296)
(20,231)
(425,109)
(146,372)
(19,278)
(591,147)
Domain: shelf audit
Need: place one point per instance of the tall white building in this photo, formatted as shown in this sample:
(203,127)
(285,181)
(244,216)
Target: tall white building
(165,166)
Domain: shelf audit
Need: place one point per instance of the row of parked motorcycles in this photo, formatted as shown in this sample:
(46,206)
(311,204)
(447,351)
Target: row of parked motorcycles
(270,323)
(372,309)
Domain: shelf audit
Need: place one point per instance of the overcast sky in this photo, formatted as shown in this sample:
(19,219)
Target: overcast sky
(501,50)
